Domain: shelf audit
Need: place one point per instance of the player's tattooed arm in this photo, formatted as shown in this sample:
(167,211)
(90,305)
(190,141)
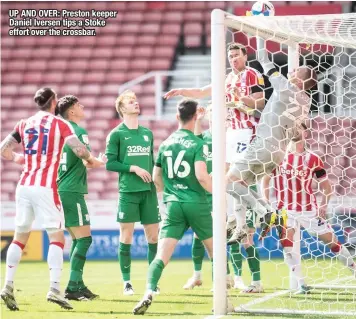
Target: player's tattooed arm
(78,148)
(7,146)
(158,178)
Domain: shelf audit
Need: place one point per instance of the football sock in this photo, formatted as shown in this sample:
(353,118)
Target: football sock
(77,263)
(13,257)
(151,253)
(55,263)
(154,273)
(236,259)
(253,260)
(125,261)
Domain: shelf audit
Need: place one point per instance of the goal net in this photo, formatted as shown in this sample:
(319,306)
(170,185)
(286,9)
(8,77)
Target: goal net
(324,282)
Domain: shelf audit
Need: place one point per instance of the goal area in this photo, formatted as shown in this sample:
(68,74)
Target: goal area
(326,43)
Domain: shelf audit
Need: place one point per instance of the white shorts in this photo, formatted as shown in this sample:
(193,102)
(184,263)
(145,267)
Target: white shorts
(236,142)
(256,162)
(309,221)
(37,202)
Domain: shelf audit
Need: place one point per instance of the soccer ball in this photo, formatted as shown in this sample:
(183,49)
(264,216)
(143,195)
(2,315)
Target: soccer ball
(264,8)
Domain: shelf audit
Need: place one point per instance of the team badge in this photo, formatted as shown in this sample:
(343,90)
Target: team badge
(145,137)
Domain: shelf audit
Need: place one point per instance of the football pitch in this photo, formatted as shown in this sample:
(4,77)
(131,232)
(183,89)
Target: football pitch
(103,278)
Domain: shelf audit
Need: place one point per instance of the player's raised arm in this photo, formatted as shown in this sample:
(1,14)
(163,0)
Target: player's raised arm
(196,93)
(198,128)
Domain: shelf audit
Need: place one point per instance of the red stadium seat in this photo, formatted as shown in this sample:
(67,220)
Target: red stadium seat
(168,28)
(173,17)
(132,28)
(134,16)
(176,6)
(193,29)
(194,16)
(90,89)
(192,41)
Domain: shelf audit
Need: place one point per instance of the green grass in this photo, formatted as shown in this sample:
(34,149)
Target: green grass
(104,278)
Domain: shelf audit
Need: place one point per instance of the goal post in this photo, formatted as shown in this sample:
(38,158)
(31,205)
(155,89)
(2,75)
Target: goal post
(218,133)
(290,33)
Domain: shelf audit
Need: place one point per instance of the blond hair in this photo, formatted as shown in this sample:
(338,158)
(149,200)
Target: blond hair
(120,101)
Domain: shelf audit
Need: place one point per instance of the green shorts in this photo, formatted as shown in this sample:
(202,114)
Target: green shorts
(138,207)
(75,209)
(181,216)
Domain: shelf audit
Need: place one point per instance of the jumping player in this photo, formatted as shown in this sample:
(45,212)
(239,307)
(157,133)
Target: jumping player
(287,108)
(72,186)
(42,137)
(292,183)
(181,172)
(245,99)
(129,151)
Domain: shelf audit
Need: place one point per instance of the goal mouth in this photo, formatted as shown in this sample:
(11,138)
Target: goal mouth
(325,43)
(329,29)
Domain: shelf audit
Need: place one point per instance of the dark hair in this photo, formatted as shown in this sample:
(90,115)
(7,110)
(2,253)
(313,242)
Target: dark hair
(65,103)
(44,97)
(187,108)
(237,46)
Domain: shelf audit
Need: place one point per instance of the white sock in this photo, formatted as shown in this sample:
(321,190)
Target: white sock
(256,283)
(13,258)
(127,282)
(197,274)
(55,264)
(148,293)
(240,213)
(293,264)
(345,257)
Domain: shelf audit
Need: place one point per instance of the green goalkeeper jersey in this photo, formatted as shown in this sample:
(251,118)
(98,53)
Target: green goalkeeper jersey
(72,174)
(206,136)
(126,147)
(177,156)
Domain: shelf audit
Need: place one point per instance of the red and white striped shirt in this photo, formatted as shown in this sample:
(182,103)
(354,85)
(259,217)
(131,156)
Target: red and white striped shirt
(293,181)
(43,136)
(244,81)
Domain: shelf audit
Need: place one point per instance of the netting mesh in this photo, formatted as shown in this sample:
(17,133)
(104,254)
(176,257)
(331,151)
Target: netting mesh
(326,245)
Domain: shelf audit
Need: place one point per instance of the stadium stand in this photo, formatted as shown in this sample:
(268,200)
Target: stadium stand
(144,37)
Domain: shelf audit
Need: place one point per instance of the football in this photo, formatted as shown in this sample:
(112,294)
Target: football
(264,8)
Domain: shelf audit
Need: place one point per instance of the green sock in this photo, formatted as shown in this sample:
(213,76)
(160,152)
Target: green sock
(198,253)
(227,267)
(236,259)
(151,253)
(125,260)
(253,259)
(154,273)
(74,243)
(77,262)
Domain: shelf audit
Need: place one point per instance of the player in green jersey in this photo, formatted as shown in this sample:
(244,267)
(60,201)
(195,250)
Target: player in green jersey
(181,172)
(72,186)
(129,150)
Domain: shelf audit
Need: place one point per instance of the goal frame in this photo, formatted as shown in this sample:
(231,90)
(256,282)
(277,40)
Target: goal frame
(221,20)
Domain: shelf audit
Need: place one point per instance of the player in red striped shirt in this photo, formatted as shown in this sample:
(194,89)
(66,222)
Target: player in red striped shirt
(42,137)
(292,183)
(244,92)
